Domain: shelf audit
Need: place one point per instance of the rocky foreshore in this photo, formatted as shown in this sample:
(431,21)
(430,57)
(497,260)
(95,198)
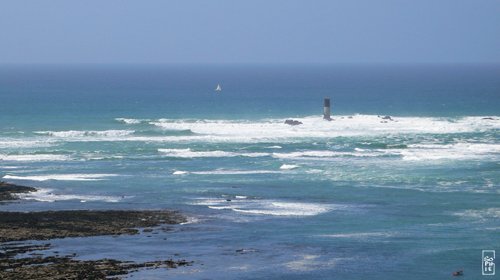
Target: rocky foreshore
(20,226)
(21,260)
(66,267)
(16,226)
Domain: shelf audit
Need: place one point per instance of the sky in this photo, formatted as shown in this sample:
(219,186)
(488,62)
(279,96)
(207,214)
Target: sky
(252,31)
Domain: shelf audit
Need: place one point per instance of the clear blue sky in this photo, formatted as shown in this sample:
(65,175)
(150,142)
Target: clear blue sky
(252,31)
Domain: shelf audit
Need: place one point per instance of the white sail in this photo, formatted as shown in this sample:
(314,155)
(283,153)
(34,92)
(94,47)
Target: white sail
(218,88)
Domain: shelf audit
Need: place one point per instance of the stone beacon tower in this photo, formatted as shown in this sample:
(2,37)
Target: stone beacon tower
(326,109)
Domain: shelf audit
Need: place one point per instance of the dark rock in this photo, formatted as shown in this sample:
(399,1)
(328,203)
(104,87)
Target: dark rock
(67,268)
(387,118)
(9,191)
(15,226)
(292,122)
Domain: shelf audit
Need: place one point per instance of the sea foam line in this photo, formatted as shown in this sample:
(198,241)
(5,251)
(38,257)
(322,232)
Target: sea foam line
(456,151)
(359,235)
(35,157)
(48,195)
(188,153)
(315,127)
(61,177)
(86,133)
(229,172)
(274,130)
(6,143)
(131,121)
(480,214)
(267,207)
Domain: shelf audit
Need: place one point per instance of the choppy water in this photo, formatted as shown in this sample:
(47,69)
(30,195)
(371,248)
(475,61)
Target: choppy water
(360,197)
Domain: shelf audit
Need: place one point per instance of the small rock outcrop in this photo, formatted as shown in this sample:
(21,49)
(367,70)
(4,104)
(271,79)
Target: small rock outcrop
(292,122)
(10,191)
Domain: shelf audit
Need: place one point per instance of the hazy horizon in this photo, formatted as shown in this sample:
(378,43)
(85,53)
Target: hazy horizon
(257,32)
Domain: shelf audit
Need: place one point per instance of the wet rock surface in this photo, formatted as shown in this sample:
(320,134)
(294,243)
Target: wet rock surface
(15,226)
(10,191)
(21,260)
(65,267)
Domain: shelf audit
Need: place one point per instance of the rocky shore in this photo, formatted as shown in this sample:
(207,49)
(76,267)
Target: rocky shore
(65,267)
(16,226)
(21,260)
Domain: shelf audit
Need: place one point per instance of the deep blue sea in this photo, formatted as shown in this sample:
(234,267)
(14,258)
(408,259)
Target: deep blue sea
(416,196)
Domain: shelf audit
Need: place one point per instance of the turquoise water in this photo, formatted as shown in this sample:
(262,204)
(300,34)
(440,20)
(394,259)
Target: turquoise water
(415,197)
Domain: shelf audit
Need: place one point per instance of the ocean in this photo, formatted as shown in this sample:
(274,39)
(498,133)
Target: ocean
(416,196)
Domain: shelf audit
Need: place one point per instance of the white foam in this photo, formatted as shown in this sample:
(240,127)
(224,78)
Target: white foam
(288,166)
(480,214)
(359,235)
(191,220)
(267,207)
(179,172)
(306,154)
(315,127)
(288,209)
(188,153)
(234,172)
(312,154)
(61,177)
(274,130)
(314,171)
(11,167)
(86,133)
(48,195)
(35,157)
(6,143)
(457,151)
(312,263)
(129,121)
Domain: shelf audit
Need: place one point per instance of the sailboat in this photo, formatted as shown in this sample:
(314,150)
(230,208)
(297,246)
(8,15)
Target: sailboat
(218,88)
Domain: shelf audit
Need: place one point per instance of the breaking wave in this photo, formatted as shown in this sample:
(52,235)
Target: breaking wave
(130,121)
(267,207)
(61,177)
(35,157)
(457,151)
(315,127)
(48,195)
(188,153)
(86,133)
(480,214)
(225,172)
(288,166)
